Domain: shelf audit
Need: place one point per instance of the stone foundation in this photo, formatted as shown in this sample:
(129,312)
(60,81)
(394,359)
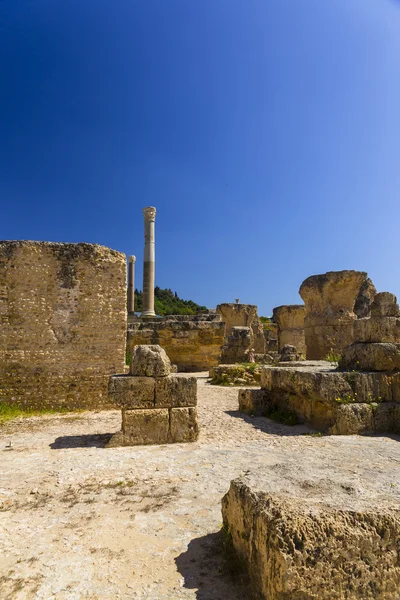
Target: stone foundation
(314,534)
(62,323)
(193,343)
(334,402)
(157,407)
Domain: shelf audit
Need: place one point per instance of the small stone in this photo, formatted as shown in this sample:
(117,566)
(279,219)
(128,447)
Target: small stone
(150,361)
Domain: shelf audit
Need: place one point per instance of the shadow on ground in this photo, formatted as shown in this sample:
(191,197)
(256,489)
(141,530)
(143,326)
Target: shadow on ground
(204,568)
(97,440)
(269,426)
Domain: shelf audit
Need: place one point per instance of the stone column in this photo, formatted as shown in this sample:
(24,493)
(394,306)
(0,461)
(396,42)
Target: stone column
(131,284)
(149,262)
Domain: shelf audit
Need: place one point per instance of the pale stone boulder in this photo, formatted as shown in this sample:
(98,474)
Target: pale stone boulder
(171,392)
(150,361)
(307,533)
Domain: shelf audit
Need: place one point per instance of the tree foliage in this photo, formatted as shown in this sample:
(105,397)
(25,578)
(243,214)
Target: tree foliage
(167,302)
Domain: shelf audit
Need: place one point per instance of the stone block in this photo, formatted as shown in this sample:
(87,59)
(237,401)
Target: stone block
(371,357)
(253,401)
(150,361)
(132,392)
(305,534)
(353,418)
(377,329)
(175,391)
(147,426)
(183,425)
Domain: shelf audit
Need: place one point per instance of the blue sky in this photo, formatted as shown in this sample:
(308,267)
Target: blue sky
(266,133)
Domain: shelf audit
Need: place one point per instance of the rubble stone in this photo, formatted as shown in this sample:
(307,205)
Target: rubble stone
(150,361)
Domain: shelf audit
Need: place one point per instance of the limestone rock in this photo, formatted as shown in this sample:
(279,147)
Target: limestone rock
(353,419)
(150,361)
(175,392)
(184,426)
(371,357)
(253,401)
(329,310)
(237,346)
(310,534)
(132,392)
(290,321)
(366,295)
(385,305)
(142,427)
(243,315)
(377,329)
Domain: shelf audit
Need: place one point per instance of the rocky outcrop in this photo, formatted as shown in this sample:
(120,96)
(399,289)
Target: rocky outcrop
(193,343)
(157,407)
(290,321)
(62,323)
(243,315)
(311,534)
(330,301)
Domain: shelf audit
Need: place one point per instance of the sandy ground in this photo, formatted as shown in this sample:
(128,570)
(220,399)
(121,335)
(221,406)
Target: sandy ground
(79,520)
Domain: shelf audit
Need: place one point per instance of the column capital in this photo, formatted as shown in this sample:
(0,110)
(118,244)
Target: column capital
(149,213)
(132,259)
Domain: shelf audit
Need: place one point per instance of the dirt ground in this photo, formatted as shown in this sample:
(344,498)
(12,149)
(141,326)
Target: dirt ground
(81,521)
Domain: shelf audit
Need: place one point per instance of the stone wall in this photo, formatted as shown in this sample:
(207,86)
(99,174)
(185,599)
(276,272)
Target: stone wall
(290,321)
(330,301)
(243,315)
(193,343)
(63,323)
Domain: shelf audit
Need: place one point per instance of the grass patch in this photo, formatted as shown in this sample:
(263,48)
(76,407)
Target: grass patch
(8,412)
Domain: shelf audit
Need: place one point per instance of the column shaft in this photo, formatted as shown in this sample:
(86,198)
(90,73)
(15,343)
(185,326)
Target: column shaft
(149,262)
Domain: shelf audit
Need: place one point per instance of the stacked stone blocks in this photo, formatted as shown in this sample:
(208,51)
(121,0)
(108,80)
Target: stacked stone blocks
(157,407)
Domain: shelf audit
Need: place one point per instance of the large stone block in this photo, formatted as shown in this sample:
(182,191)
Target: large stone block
(145,426)
(305,534)
(132,392)
(371,357)
(183,425)
(150,361)
(353,418)
(253,401)
(175,391)
(330,301)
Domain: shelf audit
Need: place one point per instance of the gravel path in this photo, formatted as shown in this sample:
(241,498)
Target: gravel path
(79,521)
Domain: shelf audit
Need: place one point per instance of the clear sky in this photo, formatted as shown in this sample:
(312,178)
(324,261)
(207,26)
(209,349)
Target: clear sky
(266,133)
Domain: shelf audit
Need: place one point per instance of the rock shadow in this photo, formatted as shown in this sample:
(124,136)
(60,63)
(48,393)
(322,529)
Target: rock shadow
(95,440)
(204,568)
(269,426)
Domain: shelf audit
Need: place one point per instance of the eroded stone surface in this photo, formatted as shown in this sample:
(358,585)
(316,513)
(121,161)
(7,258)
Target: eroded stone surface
(183,425)
(309,534)
(175,392)
(62,323)
(132,392)
(329,311)
(371,357)
(290,320)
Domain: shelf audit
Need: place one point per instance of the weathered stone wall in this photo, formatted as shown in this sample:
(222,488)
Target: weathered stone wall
(290,321)
(330,301)
(192,343)
(243,315)
(63,323)
(237,346)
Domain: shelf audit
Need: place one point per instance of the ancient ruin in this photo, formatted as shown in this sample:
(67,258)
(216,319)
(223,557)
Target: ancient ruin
(243,315)
(330,301)
(290,321)
(157,407)
(149,214)
(131,285)
(63,323)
